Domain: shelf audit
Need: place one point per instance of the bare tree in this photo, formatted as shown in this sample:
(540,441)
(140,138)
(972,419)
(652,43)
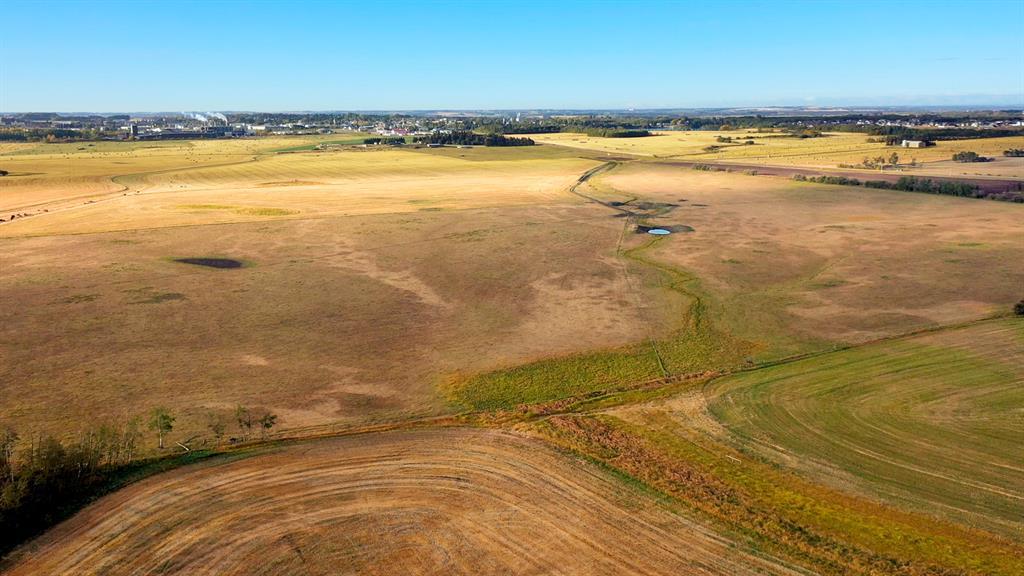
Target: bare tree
(217,426)
(244,418)
(8,440)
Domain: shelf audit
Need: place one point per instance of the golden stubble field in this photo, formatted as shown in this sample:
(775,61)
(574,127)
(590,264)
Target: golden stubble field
(442,501)
(827,152)
(49,176)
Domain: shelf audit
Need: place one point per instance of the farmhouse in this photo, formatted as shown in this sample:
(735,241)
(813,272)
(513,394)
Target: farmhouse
(914,144)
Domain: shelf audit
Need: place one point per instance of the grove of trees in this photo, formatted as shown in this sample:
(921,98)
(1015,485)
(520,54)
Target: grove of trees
(967,156)
(44,479)
(473,139)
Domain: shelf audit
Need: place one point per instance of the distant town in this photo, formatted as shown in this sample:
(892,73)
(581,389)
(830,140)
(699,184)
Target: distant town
(43,126)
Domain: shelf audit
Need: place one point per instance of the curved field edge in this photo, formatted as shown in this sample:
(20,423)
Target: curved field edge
(419,502)
(824,530)
(929,421)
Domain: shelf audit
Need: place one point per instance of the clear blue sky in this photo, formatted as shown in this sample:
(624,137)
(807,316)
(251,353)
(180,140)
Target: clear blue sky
(174,56)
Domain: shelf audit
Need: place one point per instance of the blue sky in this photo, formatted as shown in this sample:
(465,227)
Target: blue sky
(173,56)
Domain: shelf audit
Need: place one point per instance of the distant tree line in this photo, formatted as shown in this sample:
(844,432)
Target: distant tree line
(388,140)
(1014,153)
(895,135)
(465,138)
(50,135)
(608,132)
(926,185)
(43,479)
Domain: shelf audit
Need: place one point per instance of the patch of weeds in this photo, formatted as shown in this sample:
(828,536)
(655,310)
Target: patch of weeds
(206,207)
(147,295)
(79,298)
(265,211)
(470,236)
(160,298)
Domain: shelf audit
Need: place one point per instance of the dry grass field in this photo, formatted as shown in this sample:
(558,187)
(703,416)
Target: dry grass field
(316,184)
(432,502)
(827,152)
(474,264)
(791,264)
(47,176)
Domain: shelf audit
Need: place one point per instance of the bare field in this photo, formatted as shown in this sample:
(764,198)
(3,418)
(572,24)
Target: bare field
(431,502)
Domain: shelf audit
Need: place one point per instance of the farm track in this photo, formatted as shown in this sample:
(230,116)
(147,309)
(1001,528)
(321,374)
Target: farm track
(454,501)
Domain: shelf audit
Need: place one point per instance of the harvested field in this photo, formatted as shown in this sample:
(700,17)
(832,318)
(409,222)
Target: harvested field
(777,149)
(317,185)
(932,422)
(430,502)
(51,176)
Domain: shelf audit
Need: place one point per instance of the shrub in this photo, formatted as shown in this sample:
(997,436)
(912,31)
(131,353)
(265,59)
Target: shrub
(967,156)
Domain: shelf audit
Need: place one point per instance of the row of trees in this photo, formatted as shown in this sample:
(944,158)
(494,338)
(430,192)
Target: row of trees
(608,132)
(45,479)
(1014,153)
(926,185)
(473,139)
(387,140)
(52,135)
(880,162)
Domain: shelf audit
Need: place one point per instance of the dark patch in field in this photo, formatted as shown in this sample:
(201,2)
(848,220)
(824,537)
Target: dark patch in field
(211,262)
(79,298)
(643,229)
(161,297)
